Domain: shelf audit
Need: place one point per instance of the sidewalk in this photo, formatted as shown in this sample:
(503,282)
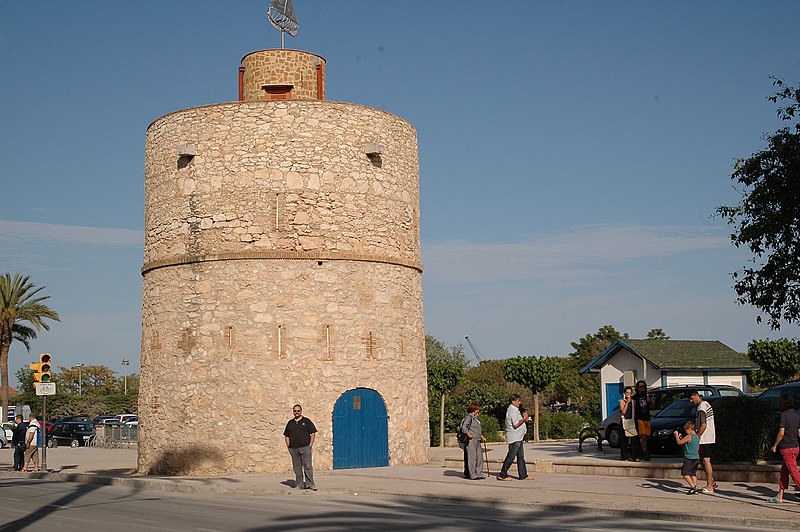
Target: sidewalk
(735,503)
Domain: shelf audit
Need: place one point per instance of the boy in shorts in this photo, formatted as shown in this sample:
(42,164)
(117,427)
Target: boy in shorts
(691,455)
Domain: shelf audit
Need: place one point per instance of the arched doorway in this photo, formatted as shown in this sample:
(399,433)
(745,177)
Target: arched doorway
(360,430)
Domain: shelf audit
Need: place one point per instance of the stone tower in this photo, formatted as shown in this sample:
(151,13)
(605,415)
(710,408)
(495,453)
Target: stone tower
(281,266)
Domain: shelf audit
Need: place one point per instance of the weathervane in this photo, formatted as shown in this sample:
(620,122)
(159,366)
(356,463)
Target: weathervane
(281,15)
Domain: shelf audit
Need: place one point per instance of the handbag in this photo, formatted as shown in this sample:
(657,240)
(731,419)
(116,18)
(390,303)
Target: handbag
(629,426)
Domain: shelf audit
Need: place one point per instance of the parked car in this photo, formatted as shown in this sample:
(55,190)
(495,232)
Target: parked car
(8,428)
(101,420)
(570,409)
(670,419)
(773,395)
(124,418)
(74,433)
(611,427)
(83,418)
(5,435)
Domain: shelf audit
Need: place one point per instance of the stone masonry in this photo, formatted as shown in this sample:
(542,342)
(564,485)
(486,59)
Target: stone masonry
(281,266)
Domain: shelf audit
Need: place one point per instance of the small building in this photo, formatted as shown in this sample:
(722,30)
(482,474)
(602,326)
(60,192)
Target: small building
(666,363)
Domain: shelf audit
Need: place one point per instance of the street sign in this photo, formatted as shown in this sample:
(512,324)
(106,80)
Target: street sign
(45,388)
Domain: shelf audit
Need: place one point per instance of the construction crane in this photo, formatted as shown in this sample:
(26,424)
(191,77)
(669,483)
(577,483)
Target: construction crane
(474,349)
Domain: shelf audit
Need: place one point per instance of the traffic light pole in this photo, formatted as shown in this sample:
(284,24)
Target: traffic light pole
(44,433)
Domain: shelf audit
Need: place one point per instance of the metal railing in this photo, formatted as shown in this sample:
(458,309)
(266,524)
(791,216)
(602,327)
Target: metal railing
(114,436)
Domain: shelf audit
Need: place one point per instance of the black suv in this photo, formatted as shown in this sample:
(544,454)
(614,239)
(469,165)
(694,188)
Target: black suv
(74,433)
(660,398)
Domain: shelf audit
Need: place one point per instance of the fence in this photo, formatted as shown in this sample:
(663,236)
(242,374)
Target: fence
(115,436)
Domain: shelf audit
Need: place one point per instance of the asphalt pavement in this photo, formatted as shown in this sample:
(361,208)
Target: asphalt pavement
(738,503)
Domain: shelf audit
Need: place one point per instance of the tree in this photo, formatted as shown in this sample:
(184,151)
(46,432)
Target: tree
(89,380)
(779,361)
(767,219)
(537,373)
(446,369)
(657,334)
(22,316)
(584,389)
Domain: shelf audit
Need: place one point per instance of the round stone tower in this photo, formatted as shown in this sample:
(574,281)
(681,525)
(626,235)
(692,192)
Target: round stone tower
(281,266)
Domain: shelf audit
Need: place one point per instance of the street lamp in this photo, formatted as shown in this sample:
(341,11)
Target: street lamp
(80,379)
(126,362)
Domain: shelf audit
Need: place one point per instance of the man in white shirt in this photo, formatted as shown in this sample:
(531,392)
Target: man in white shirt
(706,429)
(515,434)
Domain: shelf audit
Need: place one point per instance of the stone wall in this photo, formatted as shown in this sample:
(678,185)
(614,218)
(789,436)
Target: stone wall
(281,266)
(283,67)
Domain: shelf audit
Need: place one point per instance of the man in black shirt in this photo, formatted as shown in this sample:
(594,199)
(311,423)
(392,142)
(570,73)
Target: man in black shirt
(299,434)
(18,439)
(641,411)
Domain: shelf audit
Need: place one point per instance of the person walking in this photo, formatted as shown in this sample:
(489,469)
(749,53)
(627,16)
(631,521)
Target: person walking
(31,447)
(691,456)
(516,429)
(299,434)
(628,425)
(641,412)
(708,435)
(786,442)
(18,440)
(471,428)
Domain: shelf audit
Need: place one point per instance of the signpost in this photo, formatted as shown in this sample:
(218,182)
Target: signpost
(44,389)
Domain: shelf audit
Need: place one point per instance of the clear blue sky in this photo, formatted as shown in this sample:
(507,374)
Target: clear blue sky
(571,153)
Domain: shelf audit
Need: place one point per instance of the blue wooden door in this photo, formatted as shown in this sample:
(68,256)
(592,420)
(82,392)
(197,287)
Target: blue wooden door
(613,395)
(360,430)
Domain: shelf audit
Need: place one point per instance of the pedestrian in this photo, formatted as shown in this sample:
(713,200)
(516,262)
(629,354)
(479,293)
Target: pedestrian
(704,422)
(628,425)
(31,447)
(18,440)
(300,433)
(641,412)
(471,428)
(786,442)
(691,456)
(516,429)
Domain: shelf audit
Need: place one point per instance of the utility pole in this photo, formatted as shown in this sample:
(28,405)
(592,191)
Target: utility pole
(125,363)
(80,379)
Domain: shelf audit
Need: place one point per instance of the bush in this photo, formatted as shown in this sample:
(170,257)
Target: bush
(745,429)
(557,426)
(490,427)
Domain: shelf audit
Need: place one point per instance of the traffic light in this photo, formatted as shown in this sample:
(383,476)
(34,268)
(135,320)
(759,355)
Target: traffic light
(41,371)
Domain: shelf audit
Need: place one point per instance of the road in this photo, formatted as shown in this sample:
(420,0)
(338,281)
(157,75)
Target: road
(38,505)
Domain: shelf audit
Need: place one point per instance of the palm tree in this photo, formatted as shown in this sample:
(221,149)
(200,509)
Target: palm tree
(19,303)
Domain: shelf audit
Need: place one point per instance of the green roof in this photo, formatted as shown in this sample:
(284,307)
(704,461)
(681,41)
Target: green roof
(689,354)
(706,355)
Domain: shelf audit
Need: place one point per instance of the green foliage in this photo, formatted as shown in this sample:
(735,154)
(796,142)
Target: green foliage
(767,219)
(592,345)
(584,390)
(745,429)
(446,367)
(779,361)
(89,380)
(657,334)
(558,426)
(25,379)
(490,427)
(536,373)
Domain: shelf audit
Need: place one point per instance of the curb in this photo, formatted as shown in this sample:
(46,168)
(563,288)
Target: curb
(216,487)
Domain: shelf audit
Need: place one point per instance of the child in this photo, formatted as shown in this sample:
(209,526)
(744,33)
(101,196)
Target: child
(691,458)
